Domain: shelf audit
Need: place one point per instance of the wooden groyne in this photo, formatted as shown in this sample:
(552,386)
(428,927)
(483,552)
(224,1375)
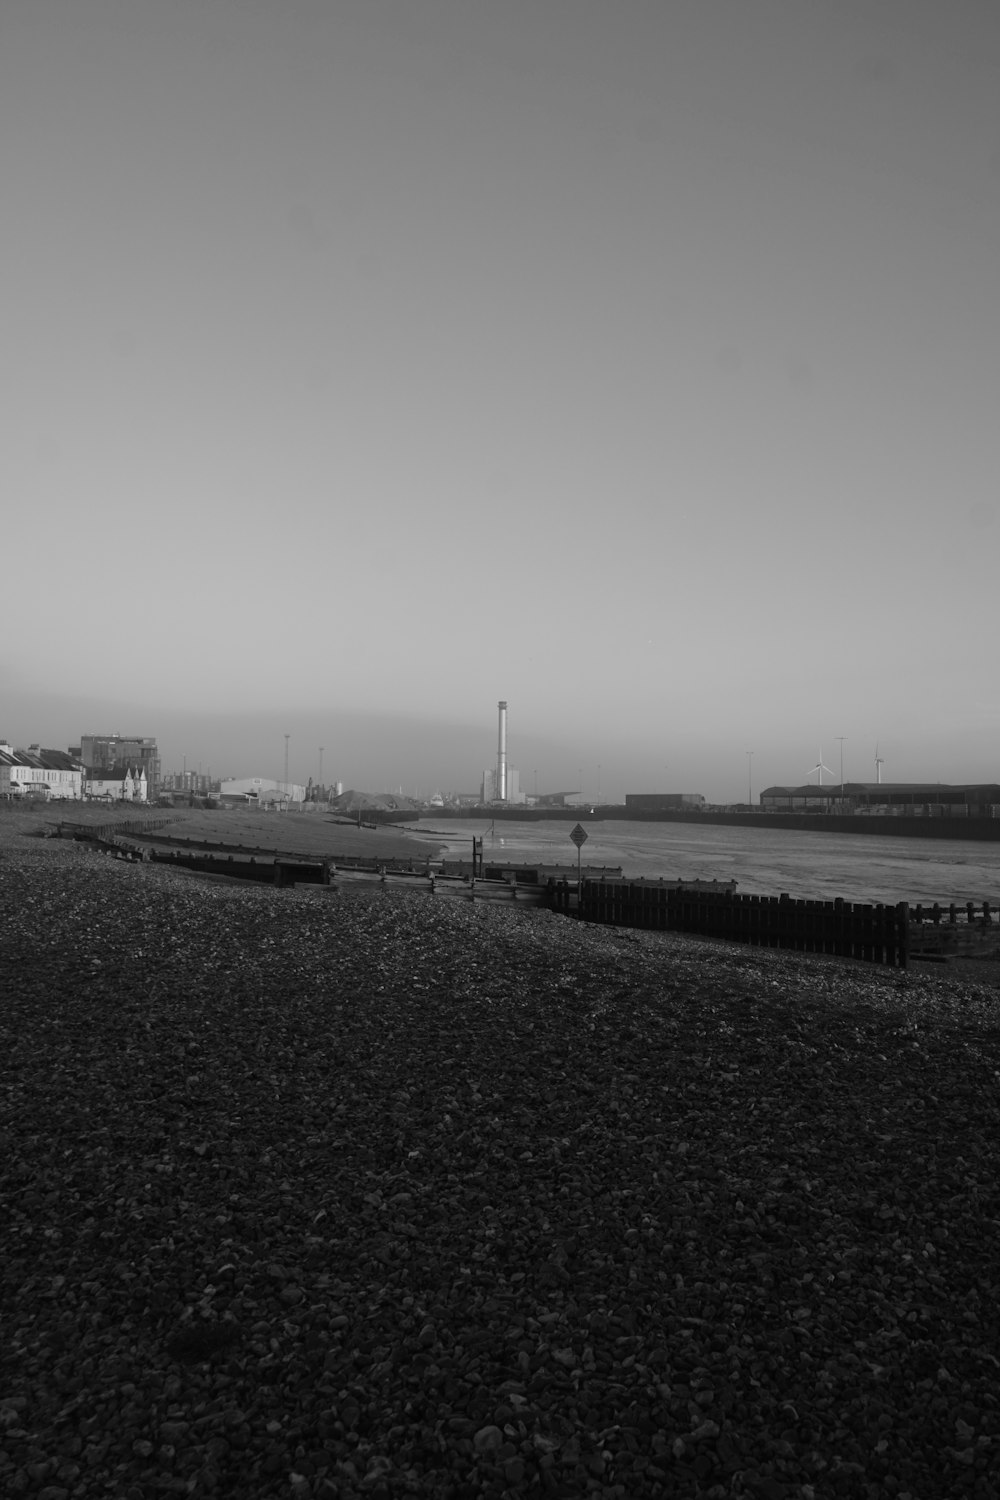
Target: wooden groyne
(275,869)
(954,931)
(527,872)
(118,838)
(874,933)
(96,832)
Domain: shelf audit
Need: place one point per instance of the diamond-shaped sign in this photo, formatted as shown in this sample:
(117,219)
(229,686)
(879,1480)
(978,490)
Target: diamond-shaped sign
(579,835)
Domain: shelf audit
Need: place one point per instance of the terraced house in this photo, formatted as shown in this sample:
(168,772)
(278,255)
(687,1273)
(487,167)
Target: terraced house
(36,772)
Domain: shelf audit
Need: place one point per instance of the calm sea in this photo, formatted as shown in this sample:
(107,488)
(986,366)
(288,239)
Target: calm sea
(764,861)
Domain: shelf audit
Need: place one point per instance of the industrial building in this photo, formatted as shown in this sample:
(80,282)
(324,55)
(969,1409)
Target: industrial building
(888,798)
(259,791)
(663,801)
(491,788)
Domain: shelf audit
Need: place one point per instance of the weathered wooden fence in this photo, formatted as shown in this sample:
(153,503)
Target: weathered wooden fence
(275,869)
(954,931)
(527,872)
(877,934)
(97,831)
(369,864)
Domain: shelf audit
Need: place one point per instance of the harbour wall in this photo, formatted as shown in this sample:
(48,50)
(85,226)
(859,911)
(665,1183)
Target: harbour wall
(901,826)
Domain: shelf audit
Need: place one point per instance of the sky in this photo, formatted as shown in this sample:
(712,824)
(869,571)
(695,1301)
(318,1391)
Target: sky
(364,362)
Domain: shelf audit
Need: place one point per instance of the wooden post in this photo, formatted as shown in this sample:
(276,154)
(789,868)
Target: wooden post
(902,934)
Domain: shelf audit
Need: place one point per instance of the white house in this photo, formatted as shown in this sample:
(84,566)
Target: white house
(120,783)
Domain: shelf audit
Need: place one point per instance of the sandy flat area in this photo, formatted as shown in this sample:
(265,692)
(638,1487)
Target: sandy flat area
(306,833)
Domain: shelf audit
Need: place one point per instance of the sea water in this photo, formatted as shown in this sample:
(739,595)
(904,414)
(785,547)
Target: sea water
(762,861)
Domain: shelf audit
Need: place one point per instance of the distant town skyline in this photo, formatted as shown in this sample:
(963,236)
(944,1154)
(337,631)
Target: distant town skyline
(635,362)
(386,752)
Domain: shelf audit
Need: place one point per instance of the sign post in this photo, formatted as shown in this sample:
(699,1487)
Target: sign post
(579,837)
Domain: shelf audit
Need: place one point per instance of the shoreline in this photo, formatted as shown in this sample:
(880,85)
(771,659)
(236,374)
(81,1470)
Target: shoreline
(974,829)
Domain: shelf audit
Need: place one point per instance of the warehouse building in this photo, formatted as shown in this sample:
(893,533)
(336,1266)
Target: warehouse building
(260,791)
(664,801)
(888,798)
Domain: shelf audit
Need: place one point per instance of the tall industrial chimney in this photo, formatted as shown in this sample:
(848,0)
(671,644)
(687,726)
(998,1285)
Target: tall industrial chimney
(501,788)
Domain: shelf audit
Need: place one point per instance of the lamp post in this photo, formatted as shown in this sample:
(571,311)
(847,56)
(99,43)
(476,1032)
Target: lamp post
(285,788)
(750,778)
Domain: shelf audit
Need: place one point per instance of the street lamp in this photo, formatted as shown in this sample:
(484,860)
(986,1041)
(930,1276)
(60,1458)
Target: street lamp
(750,778)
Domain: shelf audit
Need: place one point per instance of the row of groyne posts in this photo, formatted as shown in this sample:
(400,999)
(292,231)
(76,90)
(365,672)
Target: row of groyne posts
(875,933)
(130,841)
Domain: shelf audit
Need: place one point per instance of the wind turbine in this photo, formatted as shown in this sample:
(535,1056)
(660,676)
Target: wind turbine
(879,763)
(819,766)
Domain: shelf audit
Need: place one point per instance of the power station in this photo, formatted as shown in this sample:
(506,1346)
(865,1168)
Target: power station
(501,783)
(502,751)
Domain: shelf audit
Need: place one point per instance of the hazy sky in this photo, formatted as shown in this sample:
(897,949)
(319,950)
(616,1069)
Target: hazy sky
(366,361)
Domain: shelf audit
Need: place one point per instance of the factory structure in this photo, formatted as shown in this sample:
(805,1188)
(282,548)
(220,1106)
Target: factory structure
(888,798)
(259,791)
(646,802)
(501,783)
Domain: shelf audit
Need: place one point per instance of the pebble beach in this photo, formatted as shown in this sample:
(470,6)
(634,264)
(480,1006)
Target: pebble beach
(357,1192)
